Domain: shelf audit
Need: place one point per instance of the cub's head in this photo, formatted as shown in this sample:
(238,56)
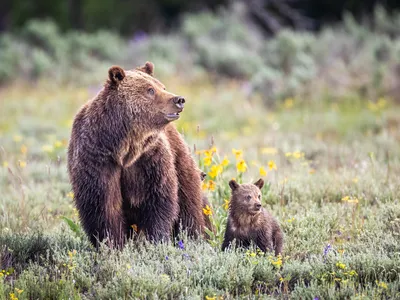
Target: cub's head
(144,97)
(246,198)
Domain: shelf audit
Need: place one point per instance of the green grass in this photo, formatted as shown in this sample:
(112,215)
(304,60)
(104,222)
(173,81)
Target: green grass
(343,147)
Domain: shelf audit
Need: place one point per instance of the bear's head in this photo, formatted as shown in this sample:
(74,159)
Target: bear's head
(144,98)
(246,198)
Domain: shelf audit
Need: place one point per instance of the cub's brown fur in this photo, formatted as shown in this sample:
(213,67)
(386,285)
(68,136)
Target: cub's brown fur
(249,222)
(129,165)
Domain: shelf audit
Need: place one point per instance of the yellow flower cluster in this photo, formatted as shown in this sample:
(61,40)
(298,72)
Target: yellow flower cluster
(288,103)
(350,199)
(207,210)
(382,284)
(226,204)
(215,170)
(209,185)
(241,166)
(341,265)
(378,106)
(296,154)
(49,148)
(275,261)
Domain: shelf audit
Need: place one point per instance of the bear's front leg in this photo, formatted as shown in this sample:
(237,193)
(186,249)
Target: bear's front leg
(98,199)
(150,193)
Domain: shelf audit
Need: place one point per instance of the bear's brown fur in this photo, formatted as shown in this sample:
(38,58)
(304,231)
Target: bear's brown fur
(249,222)
(129,165)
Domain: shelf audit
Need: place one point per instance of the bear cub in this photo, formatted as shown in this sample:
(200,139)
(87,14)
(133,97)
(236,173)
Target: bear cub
(249,222)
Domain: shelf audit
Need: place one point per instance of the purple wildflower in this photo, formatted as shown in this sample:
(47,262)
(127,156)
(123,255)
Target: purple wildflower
(316,298)
(166,257)
(181,245)
(327,248)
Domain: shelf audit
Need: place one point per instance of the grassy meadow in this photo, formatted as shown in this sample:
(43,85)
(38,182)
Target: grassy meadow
(332,167)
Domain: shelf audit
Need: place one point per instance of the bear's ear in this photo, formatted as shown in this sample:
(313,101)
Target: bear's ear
(259,183)
(147,68)
(203,176)
(233,184)
(116,74)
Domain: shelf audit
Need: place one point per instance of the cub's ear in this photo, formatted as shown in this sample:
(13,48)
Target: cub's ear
(233,184)
(116,74)
(147,68)
(259,183)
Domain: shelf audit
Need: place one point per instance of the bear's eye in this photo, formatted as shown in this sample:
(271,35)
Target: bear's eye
(151,91)
(248,198)
(259,196)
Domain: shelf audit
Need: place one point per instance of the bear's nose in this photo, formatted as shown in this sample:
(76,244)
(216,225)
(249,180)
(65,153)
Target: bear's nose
(258,205)
(179,101)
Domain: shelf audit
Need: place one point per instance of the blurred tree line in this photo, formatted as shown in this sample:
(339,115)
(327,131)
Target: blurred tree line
(129,16)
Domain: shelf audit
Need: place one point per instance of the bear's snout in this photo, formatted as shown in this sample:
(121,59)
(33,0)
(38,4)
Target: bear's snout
(179,102)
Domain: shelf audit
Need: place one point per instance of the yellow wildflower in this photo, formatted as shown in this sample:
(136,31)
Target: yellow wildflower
(276,261)
(355,179)
(19,291)
(238,153)
(211,298)
(288,103)
(58,144)
(24,149)
(281,279)
(213,150)
(381,103)
(5,164)
(290,220)
(269,150)
(22,164)
(70,195)
(48,148)
(241,166)
(207,160)
(226,204)
(272,165)
(353,273)
(134,227)
(17,138)
(263,172)
(349,199)
(72,253)
(207,210)
(210,185)
(298,154)
(341,265)
(382,284)
(13,297)
(215,171)
(288,154)
(225,161)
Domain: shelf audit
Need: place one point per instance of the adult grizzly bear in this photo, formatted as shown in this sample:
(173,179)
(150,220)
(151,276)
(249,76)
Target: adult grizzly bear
(129,165)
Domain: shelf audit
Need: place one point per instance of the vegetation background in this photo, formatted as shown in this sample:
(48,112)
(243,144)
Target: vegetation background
(302,93)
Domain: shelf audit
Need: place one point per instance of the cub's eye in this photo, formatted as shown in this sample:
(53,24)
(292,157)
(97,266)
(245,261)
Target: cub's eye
(151,91)
(259,196)
(248,198)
